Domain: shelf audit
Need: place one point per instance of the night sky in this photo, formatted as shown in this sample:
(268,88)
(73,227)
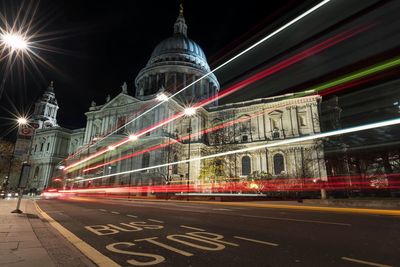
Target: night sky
(101,44)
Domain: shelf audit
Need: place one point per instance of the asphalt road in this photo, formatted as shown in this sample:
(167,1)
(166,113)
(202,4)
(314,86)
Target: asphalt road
(145,233)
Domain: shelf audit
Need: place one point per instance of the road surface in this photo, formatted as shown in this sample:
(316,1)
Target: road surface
(154,233)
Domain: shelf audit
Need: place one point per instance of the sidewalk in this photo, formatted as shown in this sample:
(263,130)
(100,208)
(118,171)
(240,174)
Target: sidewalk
(26,240)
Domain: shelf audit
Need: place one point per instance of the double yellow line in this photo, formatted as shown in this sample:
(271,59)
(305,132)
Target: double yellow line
(90,252)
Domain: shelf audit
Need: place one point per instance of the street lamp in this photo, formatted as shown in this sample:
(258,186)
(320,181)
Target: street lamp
(22,121)
(162,97)
(15,42)
(23,179)
(189,112)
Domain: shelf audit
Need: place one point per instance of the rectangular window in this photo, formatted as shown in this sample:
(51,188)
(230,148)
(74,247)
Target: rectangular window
(48,146)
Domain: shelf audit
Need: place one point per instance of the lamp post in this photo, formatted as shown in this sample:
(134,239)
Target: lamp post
(24,175)
(189,112)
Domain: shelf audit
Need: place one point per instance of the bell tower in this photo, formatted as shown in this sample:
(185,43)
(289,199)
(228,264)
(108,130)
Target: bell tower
(46,109)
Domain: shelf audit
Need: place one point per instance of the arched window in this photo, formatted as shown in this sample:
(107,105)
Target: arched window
(279,164)
(246,165)
(175,166)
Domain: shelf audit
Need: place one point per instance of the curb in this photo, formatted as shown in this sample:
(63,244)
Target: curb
(90,252)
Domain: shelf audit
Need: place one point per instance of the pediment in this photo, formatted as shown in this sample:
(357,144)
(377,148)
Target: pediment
(120,101)
(275,113)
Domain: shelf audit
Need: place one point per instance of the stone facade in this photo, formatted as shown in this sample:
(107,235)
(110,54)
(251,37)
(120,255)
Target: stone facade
(175,64)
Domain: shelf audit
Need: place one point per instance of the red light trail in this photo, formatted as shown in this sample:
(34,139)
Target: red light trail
(254,78)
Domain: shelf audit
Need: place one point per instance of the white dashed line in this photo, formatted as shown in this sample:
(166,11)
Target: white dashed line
(365,262)
(157,221)
(102,210)
(133,216)
(114,212)
(192,228)
(223,209)
(257,241)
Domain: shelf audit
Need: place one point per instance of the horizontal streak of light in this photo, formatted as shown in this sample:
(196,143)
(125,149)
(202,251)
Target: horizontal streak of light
(273,185)
(254,78)
(279,143)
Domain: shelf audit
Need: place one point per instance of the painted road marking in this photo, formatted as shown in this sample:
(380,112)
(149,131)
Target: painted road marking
(192,228)
(365,262)
(111,229)
(90,252)
(114,212)
(256,241)
(102,210)
(132,216)
(296,220)
(157,221)
(199,240)
(223,209)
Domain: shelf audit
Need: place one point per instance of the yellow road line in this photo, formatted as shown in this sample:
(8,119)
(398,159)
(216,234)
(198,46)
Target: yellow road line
(308,208)
(192,228)
(365,262)
(90,252)
(257,241)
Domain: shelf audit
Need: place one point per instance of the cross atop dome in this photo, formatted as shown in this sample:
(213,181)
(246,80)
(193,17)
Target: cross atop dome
(180,27)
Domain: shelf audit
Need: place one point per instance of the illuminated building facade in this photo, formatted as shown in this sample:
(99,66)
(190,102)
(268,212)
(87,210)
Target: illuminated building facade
(175,63)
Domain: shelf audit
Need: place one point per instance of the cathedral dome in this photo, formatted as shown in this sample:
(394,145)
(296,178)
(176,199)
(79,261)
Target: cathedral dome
(176,62)
(179,48)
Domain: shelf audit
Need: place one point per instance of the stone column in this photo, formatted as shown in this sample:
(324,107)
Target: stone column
(293,112)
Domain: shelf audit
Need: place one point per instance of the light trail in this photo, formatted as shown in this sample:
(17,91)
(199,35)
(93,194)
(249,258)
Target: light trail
(254,78)
(279,143)
(377,68)
(269,36)
(261,186)
(339,84)
(86,147)
(205,131)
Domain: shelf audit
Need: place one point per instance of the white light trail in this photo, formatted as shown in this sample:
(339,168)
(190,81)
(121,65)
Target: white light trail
(269,36)
(279,143)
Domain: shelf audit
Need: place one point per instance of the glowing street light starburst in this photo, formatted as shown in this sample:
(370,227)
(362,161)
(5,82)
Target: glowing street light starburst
(14,41)
(24,42)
